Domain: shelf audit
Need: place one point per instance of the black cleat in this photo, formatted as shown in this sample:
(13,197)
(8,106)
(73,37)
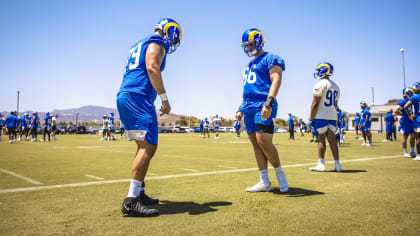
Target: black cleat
(146,200)
(134,207)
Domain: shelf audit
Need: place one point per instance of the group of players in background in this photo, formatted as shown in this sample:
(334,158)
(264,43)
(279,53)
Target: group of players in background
(108,128)
(26,126)
(205,127)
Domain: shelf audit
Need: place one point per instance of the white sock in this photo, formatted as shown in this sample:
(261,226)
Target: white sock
(264,176)
(405,150)
(135,188)
(321,161)
(278,170)
(412,149)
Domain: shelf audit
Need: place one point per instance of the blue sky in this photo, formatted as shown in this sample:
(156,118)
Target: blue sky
(66,54)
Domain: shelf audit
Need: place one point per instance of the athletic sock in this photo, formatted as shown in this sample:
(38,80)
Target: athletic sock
(405,150)
(278,170)
(135,188)
(264,176)
(412,150)
(337,162)
(321,161)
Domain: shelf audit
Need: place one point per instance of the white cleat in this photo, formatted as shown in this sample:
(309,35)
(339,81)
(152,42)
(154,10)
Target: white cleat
(102,139)
(259,187)
(19,139)
(10,141)
(363,144)
(417,158)
(407,155)
(42,140)
(319,167)
(368,145)
(283,185)
(216,137)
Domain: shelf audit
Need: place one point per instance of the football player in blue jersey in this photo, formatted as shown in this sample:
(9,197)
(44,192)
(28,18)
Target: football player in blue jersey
(141,84)
(415,102)
(11,123)
(206,125)
(356,124)
(111,128)
(46,127)
(201,128)
(237,127)
(291,127)
(23,127)
(365,124)
(389,124)
(324,114)
(1,125)
(216,125)
(262,78)
(35,123)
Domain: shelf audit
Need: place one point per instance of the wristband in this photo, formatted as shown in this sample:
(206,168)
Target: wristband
(163,97)
(269,102)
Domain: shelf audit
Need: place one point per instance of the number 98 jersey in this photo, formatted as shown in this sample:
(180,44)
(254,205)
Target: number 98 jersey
(256,76)
(136,78)
(329,93)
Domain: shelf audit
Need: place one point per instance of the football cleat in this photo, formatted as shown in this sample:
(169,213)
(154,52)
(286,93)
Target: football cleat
(338,167)
(134,207)
(171,31)
(323,69)
(413,154)
(259,187)
(407,155)
(319,167)
(146,200)
(417,158)
(252,37)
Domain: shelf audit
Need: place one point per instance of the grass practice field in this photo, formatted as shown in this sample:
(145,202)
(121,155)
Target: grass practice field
(77,184)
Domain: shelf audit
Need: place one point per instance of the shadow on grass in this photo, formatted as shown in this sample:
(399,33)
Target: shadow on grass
(297,192)
(347,171)
(169,207)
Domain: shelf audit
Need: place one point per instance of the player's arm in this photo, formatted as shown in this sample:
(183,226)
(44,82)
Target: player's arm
(314,106)
(238,114)
(155,54)
(406,106)
(275,77)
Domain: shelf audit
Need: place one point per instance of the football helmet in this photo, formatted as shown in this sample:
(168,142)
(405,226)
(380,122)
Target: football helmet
(252,36)
(105,116)
(171,31)
(47,113)
(111,113)
(416,86)
(363,104)
(408,92)
(323,69)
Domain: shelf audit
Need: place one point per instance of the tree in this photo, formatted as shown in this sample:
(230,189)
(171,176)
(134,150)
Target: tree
(183,121)
(162,123)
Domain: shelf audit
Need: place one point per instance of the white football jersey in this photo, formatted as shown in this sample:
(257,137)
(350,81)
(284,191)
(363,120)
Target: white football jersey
(105,124)
(216,122)
(329,93)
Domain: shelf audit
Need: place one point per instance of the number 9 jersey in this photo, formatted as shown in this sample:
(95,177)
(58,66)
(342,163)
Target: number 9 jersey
(136,78)
(329,93)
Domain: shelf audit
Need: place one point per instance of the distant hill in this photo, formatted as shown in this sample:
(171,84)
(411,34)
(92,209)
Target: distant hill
(93,114)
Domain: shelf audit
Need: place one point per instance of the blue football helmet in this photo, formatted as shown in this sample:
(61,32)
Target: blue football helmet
(47,114)
(112,113)
(323,69)
(363,104)
(252,36)
(171,31)
(408,92)
(416,86)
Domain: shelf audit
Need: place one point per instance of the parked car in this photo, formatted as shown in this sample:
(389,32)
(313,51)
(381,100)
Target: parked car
(61,129)
(176,129)
(188,129)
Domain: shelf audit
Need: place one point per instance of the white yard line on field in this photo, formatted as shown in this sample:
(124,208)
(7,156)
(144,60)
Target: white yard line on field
(174,176)
(188,169)
(148,173)
(94,177)
(211,159)
(229,167)
(32,181)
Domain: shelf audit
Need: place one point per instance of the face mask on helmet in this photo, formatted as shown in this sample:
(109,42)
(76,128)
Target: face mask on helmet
(252,41)
(171,31)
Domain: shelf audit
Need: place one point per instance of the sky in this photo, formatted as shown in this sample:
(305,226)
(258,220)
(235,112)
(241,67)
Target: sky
(67,54)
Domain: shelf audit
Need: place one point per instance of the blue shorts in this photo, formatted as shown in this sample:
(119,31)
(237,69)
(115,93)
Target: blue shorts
(216,128)
(388,128)
(321,126)
(252,119)
(201,129)
(138,114)
(407,128)
(366,128)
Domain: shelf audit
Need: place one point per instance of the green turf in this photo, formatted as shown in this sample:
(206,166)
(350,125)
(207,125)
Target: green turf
(374,197)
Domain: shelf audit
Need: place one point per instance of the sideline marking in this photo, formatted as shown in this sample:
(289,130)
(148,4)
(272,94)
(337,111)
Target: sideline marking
(32,181)
(148,173)
(188,169)
(94,177)
(174,176)
(210,159)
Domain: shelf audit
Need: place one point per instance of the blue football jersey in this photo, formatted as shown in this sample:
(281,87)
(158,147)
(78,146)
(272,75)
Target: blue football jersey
(47,120)
(34,123)
(389,118)
(416,100)
(256,78)
(28,121)
(23,122)
(201,124)
(357,119)
(111,122)
(401,105)
(136,78)
(11,121)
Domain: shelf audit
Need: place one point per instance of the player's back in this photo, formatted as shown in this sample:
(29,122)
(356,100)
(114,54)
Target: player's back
(136,78)
(416,100)
(329,92)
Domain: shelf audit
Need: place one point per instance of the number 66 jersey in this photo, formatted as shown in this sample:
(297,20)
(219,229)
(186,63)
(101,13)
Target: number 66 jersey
(329,93)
